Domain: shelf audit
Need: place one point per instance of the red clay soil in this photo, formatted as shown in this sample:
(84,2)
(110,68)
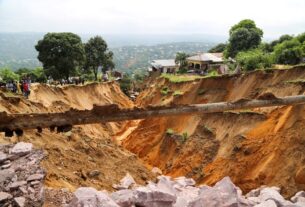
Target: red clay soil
(253,147)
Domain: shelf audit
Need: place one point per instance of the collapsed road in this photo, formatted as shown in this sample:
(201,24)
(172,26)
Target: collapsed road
(62,122)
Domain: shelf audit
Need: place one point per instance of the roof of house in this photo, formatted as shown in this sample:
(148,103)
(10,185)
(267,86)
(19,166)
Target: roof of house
(207,57)
(163,63)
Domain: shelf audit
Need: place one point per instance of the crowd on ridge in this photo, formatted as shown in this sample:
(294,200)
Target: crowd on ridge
(20,87)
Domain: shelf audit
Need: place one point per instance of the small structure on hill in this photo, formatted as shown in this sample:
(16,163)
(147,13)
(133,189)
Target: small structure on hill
(163,66)
(203,62)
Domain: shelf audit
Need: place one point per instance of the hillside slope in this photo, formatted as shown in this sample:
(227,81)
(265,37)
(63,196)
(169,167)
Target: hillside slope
(86,156)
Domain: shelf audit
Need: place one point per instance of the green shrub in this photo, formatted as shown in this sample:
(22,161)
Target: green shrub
(164,91)
(254,59)
(184,136)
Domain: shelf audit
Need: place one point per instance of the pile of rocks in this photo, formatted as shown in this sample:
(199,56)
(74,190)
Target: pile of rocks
(181,192)
(21,177)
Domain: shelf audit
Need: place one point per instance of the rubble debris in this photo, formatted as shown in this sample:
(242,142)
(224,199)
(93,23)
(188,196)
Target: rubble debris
(180,192)
(19,164)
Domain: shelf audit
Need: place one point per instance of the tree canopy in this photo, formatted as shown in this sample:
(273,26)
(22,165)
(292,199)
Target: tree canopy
(289,52)
(61,54)
(218,48)
(243,36)
(36,74)
(98,55)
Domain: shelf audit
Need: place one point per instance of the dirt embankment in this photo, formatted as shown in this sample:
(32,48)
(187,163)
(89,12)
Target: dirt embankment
(86,156)
(254,147)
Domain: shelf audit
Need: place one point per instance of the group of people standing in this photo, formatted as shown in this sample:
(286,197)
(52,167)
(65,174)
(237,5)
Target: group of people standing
(21,87)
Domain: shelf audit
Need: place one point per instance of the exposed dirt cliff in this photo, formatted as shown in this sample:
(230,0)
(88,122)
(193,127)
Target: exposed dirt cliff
(253,147)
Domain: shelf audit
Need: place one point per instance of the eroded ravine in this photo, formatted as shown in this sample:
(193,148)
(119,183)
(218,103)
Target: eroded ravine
(257,147)
(253,147)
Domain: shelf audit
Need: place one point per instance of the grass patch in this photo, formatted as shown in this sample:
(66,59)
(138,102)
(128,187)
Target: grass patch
(212,74)
(180,78)
(170,131)
(180,137)
(178,93)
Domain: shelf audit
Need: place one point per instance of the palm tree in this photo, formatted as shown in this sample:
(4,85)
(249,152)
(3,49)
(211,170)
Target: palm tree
(181,59)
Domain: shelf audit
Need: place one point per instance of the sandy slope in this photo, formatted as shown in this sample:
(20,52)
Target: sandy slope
(72,156)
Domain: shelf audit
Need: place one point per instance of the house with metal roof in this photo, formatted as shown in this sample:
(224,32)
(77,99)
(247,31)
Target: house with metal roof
(163,66)
(204,61)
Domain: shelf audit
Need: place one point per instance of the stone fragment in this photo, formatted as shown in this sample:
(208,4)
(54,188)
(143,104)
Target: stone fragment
(125,183)
(23,190)
(154,197)
(156,171)
(20,201)
(186,195)
(298,197)
(3,157)
(124,198)
(268,203)
(5,196)
(6,174)
(87,196)
(35,182)
(94,173)
(35,177)
(17,184)
(183,181)
(270,194)
(22,148)
(6,166)
(224,194)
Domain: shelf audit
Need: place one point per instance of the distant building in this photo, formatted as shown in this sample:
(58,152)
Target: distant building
(203,62)
(163,66)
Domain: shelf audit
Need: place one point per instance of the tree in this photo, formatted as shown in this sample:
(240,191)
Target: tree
(218,48)
(181,60)
(301,37)
(39,75)
(8,75)
(61,54)
(289,52)
(98,55)
(254,59)
(270,47)
(243,36)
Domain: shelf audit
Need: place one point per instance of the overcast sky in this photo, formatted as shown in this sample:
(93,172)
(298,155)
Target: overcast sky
(275,17)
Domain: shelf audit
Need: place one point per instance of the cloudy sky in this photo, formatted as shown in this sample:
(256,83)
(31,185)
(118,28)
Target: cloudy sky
(275,17)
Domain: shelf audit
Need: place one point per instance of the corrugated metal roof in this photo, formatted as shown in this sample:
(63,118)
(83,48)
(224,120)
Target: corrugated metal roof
(206,57)
(163,63)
